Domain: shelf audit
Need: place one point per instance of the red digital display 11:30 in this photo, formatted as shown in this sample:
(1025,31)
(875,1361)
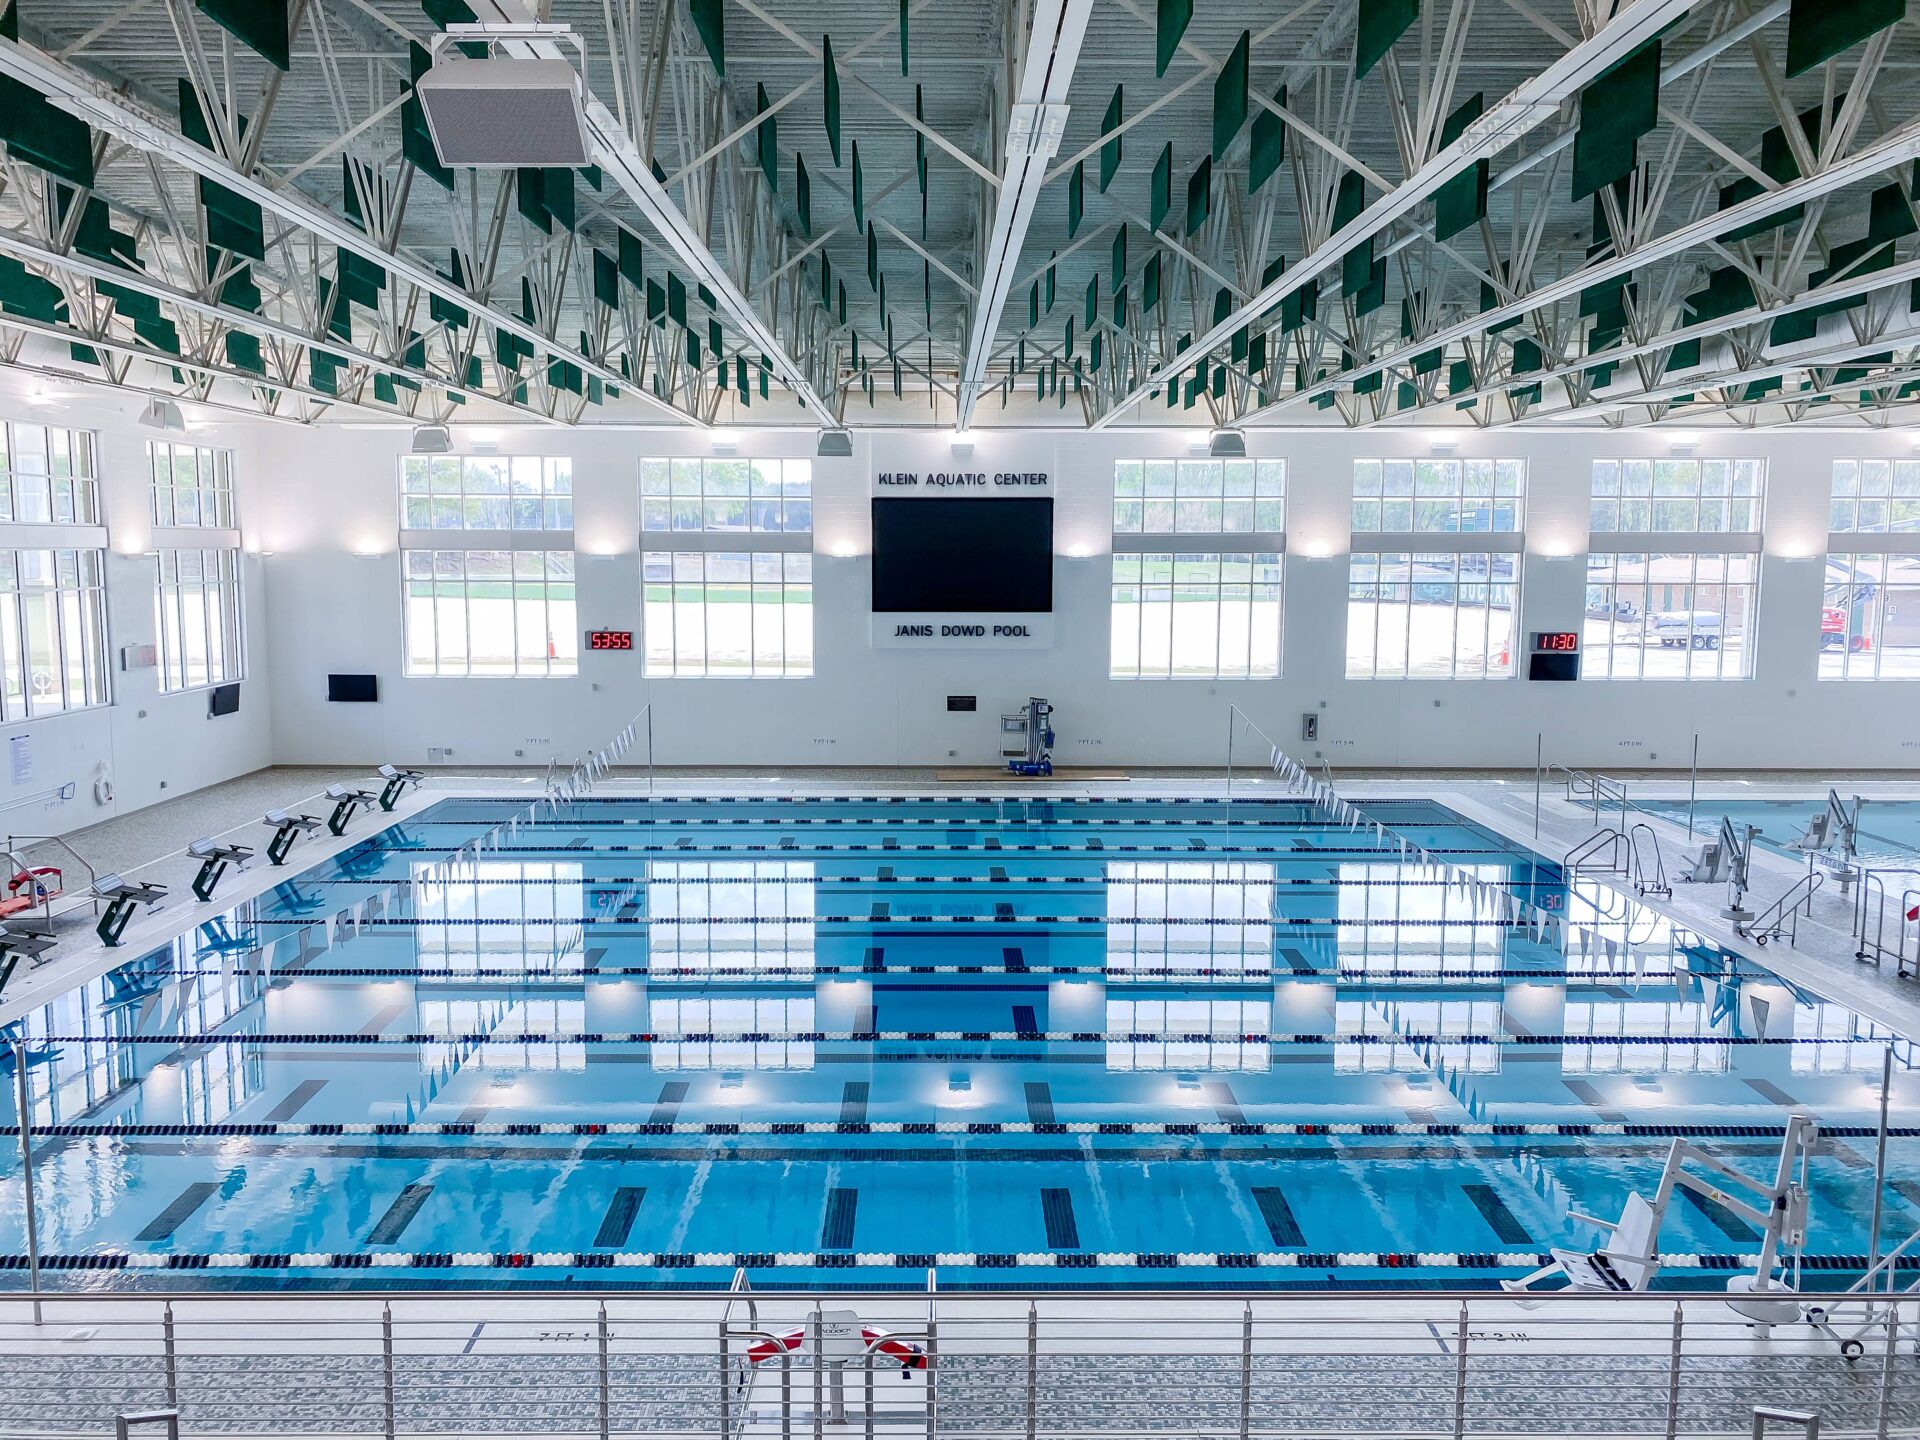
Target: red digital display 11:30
(609,640)
(1555,641)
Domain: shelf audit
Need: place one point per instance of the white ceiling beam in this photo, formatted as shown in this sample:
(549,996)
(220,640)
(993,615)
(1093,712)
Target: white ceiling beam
(619,158)
(1035,122)
(1884,154)
(1530,104)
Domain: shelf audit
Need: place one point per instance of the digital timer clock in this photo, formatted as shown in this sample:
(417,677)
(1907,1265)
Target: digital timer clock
(1549,642)
(609,640)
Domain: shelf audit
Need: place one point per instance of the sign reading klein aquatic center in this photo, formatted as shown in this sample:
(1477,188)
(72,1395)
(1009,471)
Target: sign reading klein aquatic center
(962,482)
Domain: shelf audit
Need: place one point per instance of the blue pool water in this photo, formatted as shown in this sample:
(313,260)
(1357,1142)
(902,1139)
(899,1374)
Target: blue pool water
(1028,1043)
(1888,832)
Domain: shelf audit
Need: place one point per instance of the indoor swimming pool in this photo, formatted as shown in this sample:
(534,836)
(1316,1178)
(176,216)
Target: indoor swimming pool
(1888,833)
(1109,1043)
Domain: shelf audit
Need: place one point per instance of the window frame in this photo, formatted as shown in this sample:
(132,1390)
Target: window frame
(1884,545)
(221,609)
(1194,512)
(81,449)
(551,496)
(557,664)
(211,472)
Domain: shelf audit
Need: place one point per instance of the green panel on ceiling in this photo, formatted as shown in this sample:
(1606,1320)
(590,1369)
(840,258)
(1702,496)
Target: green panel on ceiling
(606,279)
(1119,277)
(859,191)
(830,100)
(676,299)
(1460,377)
(1368,384)
(1526,356)
(1090,312)
(1230,95)
(1621,105)
(10,19)
(527,198)
(1267,150)
(591,174)
(1161,195)
(1490,300)
(556,196)
(162,334)
(38,133)
(1222,304)
(1199,195)
(1033,305)
(1380,23)
(385,391)
(1110,149)
(1237,346)
(1350,200)
(1428,361)
(766,140)
(710,22)
(1171,18)
(715,340)
(134,304)
(1052,281)
(416,144)
(323,371)
(1257,353)
(1093,353)
(1404,396)
(235,234)
(1529,394)
(1599,375)
(1356,268)
(803,194)
(1150,283)
(1728,290)
(260,25)
(1300,306)
(243,352)
(1818,30)
(873,258)
(631,253)
(1461,202)
(1276,267)
(1890,216)
(656,302)
(1076,198)
(1119,307)
(1374,295)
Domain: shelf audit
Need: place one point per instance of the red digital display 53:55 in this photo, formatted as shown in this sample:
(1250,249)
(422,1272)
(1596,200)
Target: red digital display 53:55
(1555,641)
(609,640)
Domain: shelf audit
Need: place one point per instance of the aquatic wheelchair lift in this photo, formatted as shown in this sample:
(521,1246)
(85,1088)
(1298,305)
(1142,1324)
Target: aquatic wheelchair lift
(1631,1257)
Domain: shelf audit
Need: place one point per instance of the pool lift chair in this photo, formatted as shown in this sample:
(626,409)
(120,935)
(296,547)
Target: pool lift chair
(287,828)
(1630,1259)
(1832,835)
(1725,861)
(397,781)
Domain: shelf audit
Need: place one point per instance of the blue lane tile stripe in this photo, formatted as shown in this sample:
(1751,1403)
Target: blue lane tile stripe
(1506,1225)
(1056,1211)
(1039,1103)
(617,1223)
(1282,1228)
(1719,1216)
(666,1109)
(853,1102)
(162,1226)
(836,1230)
(399,1215)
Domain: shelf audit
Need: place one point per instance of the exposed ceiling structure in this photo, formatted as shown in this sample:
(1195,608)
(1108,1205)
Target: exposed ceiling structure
(1085,213)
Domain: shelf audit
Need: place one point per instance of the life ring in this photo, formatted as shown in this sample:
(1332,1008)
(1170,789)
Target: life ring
(879,1342)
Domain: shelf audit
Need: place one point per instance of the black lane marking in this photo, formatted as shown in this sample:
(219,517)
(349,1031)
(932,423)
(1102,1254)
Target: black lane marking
(667,1109)
(1282,1228)
(1298,961)
(296,1101)
(617,1223)
(1040,1103)
(594,957)
(876,957)
(836,1231)
(399,1215)
(853,1102)
(474,1114)
(1024,1019)
(1056,1209)
(162,1226)
(1728,1223)
(1225,1104)
(1767,1090)
(1011,957)
(1494,1211)
(866,1019)
(384,1017)
(1592,1097)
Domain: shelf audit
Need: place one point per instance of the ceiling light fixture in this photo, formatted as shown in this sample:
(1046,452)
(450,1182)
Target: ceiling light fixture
(432,440)
(163,415)
(834,445)
(1227,444)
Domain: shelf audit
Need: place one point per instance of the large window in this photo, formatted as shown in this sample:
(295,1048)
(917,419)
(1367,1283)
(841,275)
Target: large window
(47,476)
(53,631)
(1433,581)
(199,614)
(498,601)
(1673,574)
(197,602)
(192,485)
(1870,605)
(486,492)
(1197,551)
(727,567)
(491,612)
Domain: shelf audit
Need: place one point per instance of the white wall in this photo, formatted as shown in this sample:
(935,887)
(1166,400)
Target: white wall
(329,494)
(153,746)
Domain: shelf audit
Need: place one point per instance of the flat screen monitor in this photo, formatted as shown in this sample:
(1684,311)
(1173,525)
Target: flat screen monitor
(223,700)
(987,556)
(353,689)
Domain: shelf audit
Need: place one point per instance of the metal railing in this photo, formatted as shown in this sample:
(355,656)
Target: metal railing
(19,846)
(1646,877)
(1870,920)
(1782,917)
(995,1365)
(1587,854)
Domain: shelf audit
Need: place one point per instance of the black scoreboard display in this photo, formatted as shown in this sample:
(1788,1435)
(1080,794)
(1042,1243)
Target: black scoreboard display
(1556,655)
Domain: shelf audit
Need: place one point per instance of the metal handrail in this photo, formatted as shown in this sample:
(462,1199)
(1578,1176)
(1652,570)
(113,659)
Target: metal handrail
(1873,883)
(1783,915)
(1610,840)
(1647,881)
(16,843)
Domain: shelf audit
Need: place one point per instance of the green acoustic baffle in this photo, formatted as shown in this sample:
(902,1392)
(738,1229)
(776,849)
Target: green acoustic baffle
(1090,316)
(1230,96)
(1621,105)
(656,303)
(1276,267)
(830,105)
(802,194)
(766,139)
(606,279)
(1460,379)
(1076,199)
(1891,216)
(873,257)
(38,133)
(1301,306)
(859,191)
(1777,163)
(1461,202)
(243,353)
(527,199)
(1356,266)
(1380,23)
(710,23)
(260,25)
(1267,150)
(556,196)
(1199,195)
(1161,193)
(1818,30)
(1110,149)
(676,300)
(1150,283)
(1373,294)
(1171,18)
(1119,257)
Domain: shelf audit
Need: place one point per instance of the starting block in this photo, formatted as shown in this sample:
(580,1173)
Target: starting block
(18,942)
(345,802)
(214,859)
(397,782)
(287,828)
(123,897)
